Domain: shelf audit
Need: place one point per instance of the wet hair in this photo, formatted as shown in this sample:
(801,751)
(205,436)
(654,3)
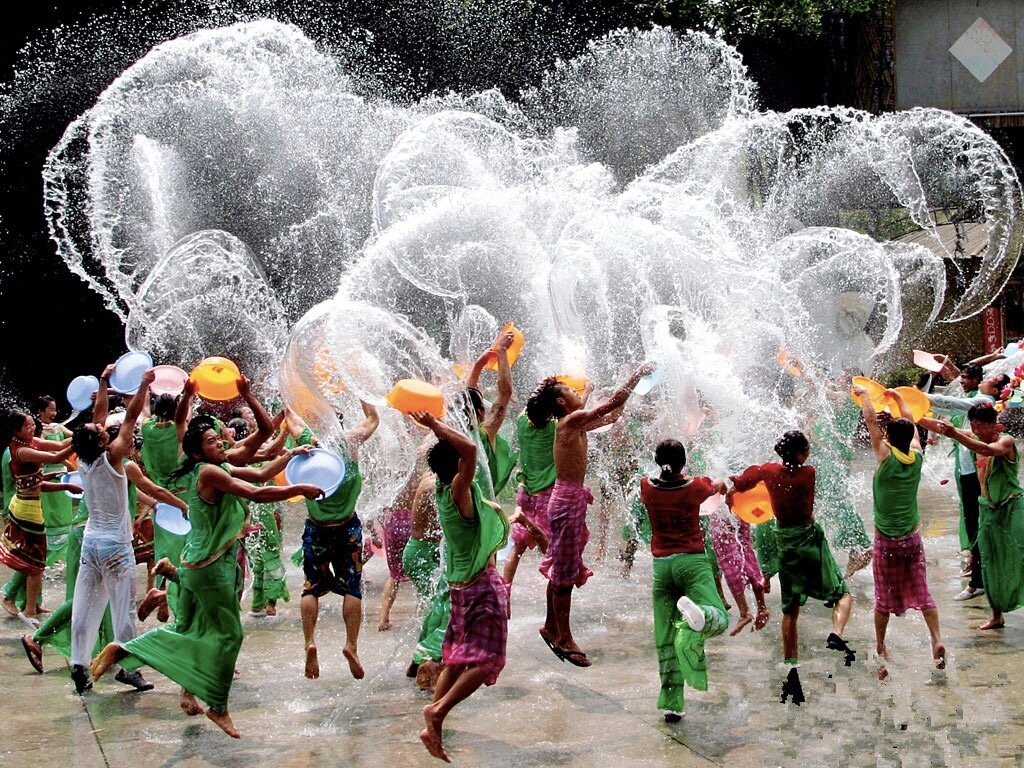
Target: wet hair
(670,455)
(204,420)
(86,443)
(240,428)
(191,445)
(1003,380)
(790,446)
(984,413)
(476,400)
(443,460)
(14,422)
(164,407)
(541,407)
(41,403)
(900,433)
(972,371)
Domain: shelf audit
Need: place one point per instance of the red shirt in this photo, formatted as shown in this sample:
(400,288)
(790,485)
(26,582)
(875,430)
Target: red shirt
(673,510)
(791,491)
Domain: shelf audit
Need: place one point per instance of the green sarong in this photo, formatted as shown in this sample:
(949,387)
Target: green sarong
(200,650)
(264,550)
(767,548)
(1001,539)
(806,567)
(421,562)
(680,649)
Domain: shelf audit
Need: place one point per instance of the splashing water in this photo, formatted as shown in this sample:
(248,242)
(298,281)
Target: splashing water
(635,204)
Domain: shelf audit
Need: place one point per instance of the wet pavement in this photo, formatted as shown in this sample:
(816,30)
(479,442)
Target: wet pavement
(544,712)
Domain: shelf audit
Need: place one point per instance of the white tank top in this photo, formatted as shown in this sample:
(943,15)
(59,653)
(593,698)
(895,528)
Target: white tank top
(106,493)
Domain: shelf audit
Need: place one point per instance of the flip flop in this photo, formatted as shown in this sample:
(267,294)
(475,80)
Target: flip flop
(554,648)
(576,658)
(35,659)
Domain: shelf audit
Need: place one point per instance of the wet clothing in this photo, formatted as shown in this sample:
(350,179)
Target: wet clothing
(397,524)
(734,552)
(894,490)
(200,650)
(536,454)
(332,558)
(791,490)
(806,567)
(563,563)
(160,450)
(263,548)
(673,509)
(57,511)
(1001,531)
(421,561)
(535,507)
(900,572)
(477,631)
(501,460)
(834,499)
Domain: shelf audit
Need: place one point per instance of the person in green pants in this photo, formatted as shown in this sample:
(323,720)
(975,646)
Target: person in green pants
(687,607)
(57,508)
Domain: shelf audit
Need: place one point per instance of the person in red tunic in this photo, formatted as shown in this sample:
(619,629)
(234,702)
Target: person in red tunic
(806,566)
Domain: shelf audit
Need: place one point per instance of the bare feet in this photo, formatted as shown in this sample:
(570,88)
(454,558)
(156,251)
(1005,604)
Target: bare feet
(312,662)
(353,663)
(857,561)
(42,609)
(939,654)
(164,567)
(383,625)
(271,609)
(993,624)
(10,606)
(223,721)
(189,705)
(761,620)
(106,658)
(152,600)
(431,735)
(163,613)
(427,675)
(883,658)
(745,618)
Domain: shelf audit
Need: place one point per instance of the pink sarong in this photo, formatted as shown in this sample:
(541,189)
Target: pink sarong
(397,524)
(734,551)
(477,631)
(563,564)
(901,580)
(535,507)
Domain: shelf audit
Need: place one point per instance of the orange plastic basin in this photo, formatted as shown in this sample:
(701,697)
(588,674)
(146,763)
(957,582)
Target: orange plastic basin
(409,395)
(518,339)
(216,378)
(753,506)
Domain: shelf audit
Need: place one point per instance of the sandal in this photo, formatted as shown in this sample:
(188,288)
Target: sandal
(554,648)
(34,653)
(576,658)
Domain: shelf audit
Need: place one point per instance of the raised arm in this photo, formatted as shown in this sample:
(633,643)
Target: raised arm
(867,409)
(905,413)
(148,487)
(499,409)
(184,409)
(591,418)
(466,448)
(125,440)
(244,452)
(365,429)
(101,404)
(214,478)
(1004,446)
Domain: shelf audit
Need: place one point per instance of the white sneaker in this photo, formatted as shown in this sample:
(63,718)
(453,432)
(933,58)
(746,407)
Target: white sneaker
(692,613)
(970,594)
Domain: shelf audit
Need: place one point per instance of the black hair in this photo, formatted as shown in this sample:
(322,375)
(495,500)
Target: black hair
(972,371)
(791,445)
(670,455)
(241,429)
(86,443)
(192,444)
(443,460)
(476,400)
(984,413)
(164,407)
(1003,380)
(204,420)
(541,407)
(41,402)
(900,433)
(15,421)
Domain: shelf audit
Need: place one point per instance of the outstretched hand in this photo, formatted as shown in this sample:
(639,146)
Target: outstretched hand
(424,419)
(505,340)
(645,369)
(300,450)
(244,386)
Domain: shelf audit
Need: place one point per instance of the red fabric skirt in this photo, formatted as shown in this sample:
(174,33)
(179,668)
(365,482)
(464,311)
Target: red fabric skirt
(901,581)
(563,564)
(478,626)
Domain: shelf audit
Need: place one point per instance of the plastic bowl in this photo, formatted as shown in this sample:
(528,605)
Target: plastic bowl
(128,370)
(753,506)
(410,395)
(80,392)
(918,402)
(75,478)
(518,339)
(927,361)
(650,381)
(171,519)
(876,392)
(168,380)
(216,378)
(320,467)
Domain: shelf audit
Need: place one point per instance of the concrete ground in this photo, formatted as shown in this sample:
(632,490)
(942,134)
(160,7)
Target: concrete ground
(545,713)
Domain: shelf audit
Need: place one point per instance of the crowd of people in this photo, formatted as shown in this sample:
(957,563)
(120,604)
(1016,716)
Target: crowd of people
(445,527)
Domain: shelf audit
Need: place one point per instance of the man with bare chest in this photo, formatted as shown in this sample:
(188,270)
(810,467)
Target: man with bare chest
(563,563)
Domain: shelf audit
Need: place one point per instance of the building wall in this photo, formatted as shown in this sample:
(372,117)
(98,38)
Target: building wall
(927,74)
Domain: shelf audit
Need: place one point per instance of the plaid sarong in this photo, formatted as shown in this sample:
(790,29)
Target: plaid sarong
(563,563)
(478,627)
(901,581)
(397,524)
(734,551)
(535,507)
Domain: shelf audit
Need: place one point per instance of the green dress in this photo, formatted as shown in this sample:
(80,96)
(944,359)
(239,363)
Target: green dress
(160,450)
(200,650)
(1001,532)
(57,513)
(263,548)
(16,588)
(833,504)
(501,460)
